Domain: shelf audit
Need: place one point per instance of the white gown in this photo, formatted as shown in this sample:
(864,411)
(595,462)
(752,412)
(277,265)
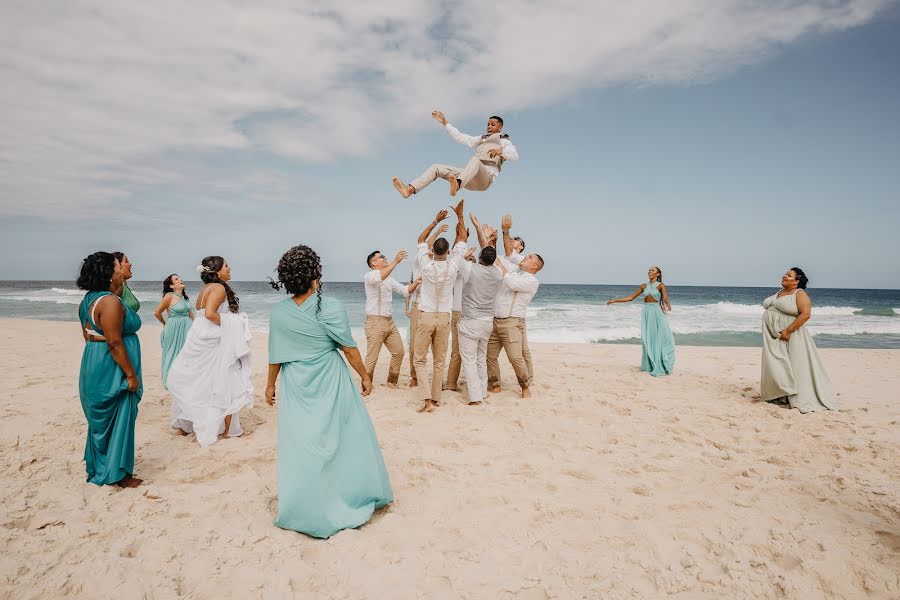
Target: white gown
(210,378)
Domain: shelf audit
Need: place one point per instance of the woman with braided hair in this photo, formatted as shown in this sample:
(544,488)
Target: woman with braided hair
(331,475)
(210,379)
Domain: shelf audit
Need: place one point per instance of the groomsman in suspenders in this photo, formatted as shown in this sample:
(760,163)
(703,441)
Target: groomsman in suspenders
(520,284)
(380,327)
(412,309)
(491,150)
(435,302)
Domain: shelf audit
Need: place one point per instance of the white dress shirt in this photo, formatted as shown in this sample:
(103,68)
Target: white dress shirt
(508,151)
(379,294)
(416,272)
(515,258)
(436,289)
(457,291)
(518,288)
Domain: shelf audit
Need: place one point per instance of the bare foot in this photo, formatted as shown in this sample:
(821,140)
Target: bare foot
(427,406)
(436,402)
(405,190)
(495,390)
(474,403)
(129,482)
(454,186)
(181,432)
(526,393)
(393,386)
(413,383)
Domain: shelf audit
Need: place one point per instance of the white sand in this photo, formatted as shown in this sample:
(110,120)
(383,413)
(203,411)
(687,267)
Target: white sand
(608,484)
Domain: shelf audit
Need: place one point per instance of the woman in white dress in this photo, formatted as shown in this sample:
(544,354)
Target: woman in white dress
(210,379)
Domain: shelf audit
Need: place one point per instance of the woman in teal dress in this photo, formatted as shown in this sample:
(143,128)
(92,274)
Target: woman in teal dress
(657,342)
(127,295)
(110,381)
(331,475)
(175,328)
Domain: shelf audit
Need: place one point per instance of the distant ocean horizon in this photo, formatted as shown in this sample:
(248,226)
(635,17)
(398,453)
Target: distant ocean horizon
(560,313)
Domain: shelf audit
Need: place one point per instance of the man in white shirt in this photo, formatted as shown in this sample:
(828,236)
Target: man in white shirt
(435,302)
(510,309)
(491,150)
(380,327)
(412,310)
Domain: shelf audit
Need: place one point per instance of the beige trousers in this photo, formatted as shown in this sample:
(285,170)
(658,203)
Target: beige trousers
(383,331)
(475,176)
(432,331)
(413,322)
(510,335)
(455,358)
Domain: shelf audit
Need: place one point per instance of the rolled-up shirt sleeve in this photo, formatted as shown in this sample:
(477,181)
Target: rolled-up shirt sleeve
(509,151)
(421,251)
(521,283)
(466,140)
(508,264)
(398,287)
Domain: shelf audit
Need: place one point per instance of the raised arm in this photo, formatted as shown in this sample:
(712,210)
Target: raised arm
(629,298)
(460,138)
(462,234)
(427,231)
(386,272)
(506,225)
(437,233)
(482,242)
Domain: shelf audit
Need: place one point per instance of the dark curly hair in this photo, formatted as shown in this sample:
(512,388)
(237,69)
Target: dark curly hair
(167,286)
(215,264)
(298,268)
(802,279)
(96,272)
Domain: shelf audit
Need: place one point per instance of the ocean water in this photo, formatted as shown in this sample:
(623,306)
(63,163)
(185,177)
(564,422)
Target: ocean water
(701,316)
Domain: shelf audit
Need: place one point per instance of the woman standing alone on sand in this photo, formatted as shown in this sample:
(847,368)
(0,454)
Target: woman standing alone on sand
(175,329)
(110,380)
(792,370)
(210,378)
(657,342)
(331,475)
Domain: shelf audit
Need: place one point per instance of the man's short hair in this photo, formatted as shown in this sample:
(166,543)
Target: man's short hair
(540,259)
(371,256)
(521,241)
(488,256)
(441,246)
(499,120)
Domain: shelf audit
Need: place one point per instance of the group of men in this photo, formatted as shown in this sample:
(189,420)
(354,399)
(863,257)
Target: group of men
(479,303)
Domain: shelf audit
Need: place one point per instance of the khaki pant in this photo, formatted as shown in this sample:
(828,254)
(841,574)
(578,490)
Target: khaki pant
(413,322)
(455,359)
(475,176)
(383,330)
(510,335)
(432,331)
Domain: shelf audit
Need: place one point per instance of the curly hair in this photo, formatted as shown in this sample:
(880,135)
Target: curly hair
(802,279)
(167,286)
(96,272)
(215,264)
(297,270)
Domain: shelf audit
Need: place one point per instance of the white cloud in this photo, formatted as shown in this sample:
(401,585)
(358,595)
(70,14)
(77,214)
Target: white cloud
(96,97)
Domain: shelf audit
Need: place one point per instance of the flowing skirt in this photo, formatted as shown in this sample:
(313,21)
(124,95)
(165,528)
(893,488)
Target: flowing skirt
(210,378)
(793,369)
(331,474)
(657,342)
(172,339)
(111,411)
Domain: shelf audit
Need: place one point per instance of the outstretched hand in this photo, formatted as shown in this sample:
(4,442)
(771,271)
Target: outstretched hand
(439,117)
(495,152)
(458,209)
(401,256)
(443,228)
(442,214)
(506,223)
(470,254)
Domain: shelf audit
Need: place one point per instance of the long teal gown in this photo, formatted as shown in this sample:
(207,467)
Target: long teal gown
(111,410)
(657,342)
(331,475)
(174,334)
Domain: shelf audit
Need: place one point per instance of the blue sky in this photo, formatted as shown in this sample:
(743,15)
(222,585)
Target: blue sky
(722,147)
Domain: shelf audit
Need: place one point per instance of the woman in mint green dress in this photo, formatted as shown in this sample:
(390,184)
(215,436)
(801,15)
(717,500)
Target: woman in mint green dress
(657,342)
(331,475)
(176,326)
(127,295)
(110,381)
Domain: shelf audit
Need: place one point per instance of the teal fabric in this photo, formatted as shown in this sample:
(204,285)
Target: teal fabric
(331,474)
(657,342)
(129,299)
(174,334)
(111,410)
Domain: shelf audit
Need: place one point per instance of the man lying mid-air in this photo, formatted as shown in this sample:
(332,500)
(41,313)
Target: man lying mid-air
(491,150)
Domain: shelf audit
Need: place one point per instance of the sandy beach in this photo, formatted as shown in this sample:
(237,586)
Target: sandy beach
(607,484)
